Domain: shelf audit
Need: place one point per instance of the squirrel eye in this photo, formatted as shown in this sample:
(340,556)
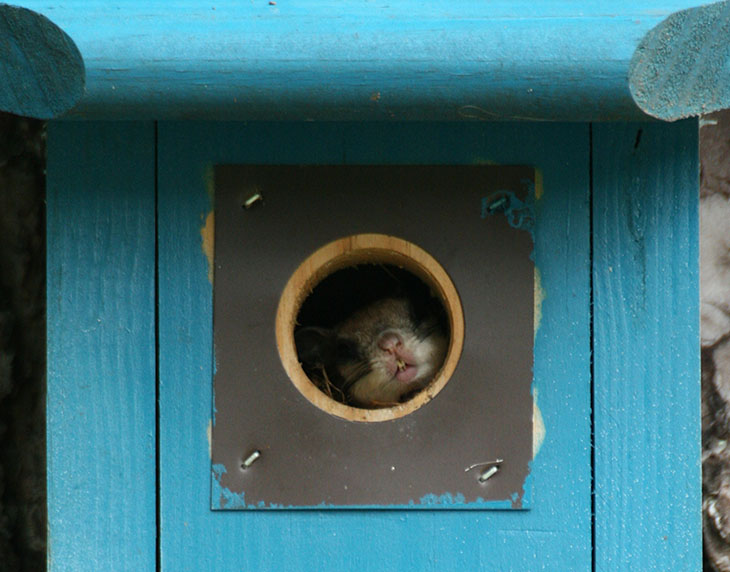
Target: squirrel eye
(346,349)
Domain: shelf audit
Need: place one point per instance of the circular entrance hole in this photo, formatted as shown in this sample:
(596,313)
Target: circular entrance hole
(360,282)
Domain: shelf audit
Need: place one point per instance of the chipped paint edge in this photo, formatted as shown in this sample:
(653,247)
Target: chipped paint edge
(223,498)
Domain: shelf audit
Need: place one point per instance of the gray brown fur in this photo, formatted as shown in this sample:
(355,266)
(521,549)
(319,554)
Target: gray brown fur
(379,356)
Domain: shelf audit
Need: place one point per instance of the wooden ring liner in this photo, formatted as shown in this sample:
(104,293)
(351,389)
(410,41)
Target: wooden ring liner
(351,251)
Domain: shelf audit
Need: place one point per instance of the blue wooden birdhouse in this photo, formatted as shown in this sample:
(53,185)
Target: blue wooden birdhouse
(228,181)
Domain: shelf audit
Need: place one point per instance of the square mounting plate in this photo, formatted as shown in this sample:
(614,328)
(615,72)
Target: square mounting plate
(312,459)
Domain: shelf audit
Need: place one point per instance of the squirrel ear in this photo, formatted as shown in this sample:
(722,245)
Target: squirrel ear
(314,344)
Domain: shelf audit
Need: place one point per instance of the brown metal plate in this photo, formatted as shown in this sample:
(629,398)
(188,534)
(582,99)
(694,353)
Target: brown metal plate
(310,458)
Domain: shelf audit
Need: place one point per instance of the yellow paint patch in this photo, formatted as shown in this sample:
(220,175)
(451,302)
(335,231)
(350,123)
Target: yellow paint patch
(210,181)
(538,424)
(480,161)
(209,435)
(207,234)
(538,184)
(538,427)
(539,298)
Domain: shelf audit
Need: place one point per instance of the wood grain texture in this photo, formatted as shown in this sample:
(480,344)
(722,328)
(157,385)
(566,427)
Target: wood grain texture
(682,66)
(357,60)
(554,535)
(41,70)
(101,346)
(646,348)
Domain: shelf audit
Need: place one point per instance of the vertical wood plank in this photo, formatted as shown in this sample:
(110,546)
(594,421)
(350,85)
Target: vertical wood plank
(555,534)
(646,347)
(101,346)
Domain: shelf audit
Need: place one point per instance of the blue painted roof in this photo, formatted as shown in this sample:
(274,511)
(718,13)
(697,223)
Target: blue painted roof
(375,59)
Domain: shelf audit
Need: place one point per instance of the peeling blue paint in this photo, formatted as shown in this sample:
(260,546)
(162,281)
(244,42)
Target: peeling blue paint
(527,487)
(224,498)
(218,471)
(445,498)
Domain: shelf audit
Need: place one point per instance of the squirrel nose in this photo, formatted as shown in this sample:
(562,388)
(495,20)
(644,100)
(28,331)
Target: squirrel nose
(389,342)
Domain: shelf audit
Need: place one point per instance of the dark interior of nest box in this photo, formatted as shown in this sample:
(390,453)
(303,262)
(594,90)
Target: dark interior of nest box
(346,290)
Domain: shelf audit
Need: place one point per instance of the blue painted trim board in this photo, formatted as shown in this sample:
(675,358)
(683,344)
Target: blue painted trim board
(646,346)
(101,346)
(332,60)
(554,535)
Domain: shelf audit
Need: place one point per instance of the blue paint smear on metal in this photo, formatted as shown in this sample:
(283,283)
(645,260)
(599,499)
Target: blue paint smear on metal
(681,68)
(445,498)
(457,500)
(519,214)
(224,498)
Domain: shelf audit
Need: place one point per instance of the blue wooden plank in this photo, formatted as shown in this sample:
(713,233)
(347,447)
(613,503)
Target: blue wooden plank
(647,367)
(682,66)
(554,535)
(101,346)
(41,70)
(314,59)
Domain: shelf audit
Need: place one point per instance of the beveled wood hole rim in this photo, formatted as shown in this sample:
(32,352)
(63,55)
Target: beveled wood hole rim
(351,251)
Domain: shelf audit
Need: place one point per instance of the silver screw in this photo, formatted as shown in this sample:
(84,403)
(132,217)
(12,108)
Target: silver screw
(253,200)
(250,460)
(488,474)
